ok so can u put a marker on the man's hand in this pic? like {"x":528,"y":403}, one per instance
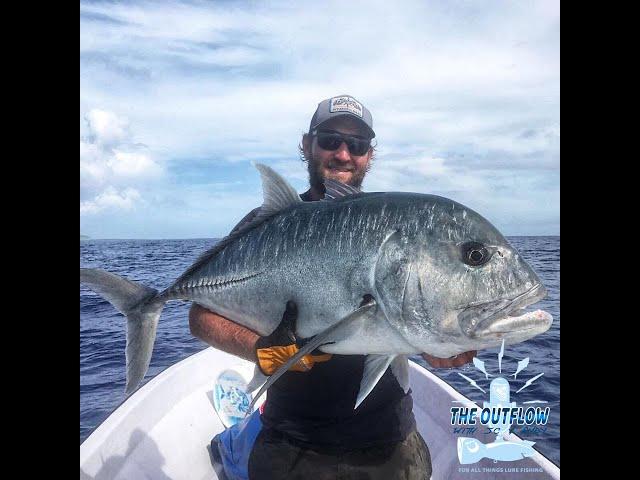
{"x":276,"y":349}
{"x":456,"y":361}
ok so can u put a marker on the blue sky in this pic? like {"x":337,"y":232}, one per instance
{"x":178,"y":98}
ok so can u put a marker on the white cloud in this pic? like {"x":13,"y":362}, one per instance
{"x":111,"y":166}
{"x":423,"y":174}
{"x":110,"y":198}
{"x":458,"y":70}
{"x":132,"y":164}
{"x":461,"y":93}
{"x":107,"y":129}
{"x":93,"y":167}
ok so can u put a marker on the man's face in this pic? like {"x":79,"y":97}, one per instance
{"x":340,"y":164}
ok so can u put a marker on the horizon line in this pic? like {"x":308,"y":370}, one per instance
{"x":218,"y":238}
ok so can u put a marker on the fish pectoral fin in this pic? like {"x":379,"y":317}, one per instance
{"x":374,"y":368}
{"x":330,"y":335}
{"x":257,"y":380}
{"x":400,"y":370}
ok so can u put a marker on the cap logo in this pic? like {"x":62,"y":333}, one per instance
{"x":346,"y":104}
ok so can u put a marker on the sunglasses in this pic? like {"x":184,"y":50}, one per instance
{"x":331,"y":140}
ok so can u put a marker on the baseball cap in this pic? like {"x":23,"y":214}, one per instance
{"x":342,"y":105}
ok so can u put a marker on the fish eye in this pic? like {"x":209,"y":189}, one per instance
{"x":475,"y":254}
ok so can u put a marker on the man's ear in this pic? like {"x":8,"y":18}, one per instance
{"x":306,"y":145}
{"x":371,"y":154}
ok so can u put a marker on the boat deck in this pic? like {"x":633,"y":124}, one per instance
{"x":163,"y":430}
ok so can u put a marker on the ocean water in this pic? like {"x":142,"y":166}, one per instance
{"x":156,"y":263}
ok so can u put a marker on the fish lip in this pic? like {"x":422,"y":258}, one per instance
{"x":539,"y":321}
{"x":472,"y":325}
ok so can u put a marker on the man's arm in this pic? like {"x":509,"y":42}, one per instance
{"x":222,"y":333}
{"x":230,"y":337}
{"x":269,"y":352}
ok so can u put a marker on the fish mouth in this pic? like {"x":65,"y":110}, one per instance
{"x":500,"y":318}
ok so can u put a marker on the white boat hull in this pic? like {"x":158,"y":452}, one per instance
{"x":164,"y":429}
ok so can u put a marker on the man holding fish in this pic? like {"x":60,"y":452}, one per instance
{"x":343,"y":290}
{"x":309,"y":425}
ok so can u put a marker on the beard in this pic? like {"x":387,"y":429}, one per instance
{"x":316,"y":175}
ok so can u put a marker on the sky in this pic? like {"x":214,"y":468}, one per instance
{"x":178,"y":100}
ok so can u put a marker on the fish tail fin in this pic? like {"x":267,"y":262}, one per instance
{"x":141,"y":306}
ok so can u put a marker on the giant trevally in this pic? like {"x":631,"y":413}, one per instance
{"x":384,"y":274}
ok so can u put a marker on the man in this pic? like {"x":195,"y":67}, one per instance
{"x":309,"y":425}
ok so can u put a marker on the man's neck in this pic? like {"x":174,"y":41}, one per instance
{"x":313,"y":194}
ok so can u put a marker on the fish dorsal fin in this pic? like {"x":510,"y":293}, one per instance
{"x":278,"y":194}
{"x":335,"y":190}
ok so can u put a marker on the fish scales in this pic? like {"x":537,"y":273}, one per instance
{"x":441,"y":278}
{"x":279,"y":263}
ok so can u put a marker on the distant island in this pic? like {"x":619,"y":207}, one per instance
{"x":84,"y":237}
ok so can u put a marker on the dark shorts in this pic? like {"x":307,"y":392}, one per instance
{"x":275,"y":457}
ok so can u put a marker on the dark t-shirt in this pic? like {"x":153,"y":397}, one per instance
{"x":315,"y":408}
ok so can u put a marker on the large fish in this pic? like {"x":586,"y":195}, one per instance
{"x":381,"y":274}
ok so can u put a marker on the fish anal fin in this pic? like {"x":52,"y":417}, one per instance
{"x":374,"y":368}
{"x":400,"y":370}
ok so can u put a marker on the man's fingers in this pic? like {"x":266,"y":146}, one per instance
{"x":462,"y":359}
{"x":322,"y":357}
{"x":459,"y":361}
{"x":452,"y":362}
{"x":435,"y":362}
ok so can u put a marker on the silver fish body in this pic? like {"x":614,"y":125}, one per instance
{"x":407,"y":251}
